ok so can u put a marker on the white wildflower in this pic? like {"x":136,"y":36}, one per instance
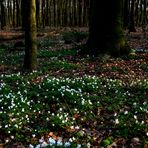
{"x":67,"y":144}
{"x":117,"y":121}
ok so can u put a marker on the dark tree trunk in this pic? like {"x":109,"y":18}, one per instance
{"x":132,"y":17}
{"x":2,"y":15}
{"x":14,"y":14}
{"x":30,"y":59}
{"x":23,"y":12}
{"x":126,"y":14}
{"x":38,"y":13}
{"x":43,"y":14}
{"x":18,"y":16}
{"x":137,"y":12}
{"x":106,"y":28}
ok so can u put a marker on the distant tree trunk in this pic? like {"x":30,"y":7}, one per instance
{"x":80,"y":12}
{"x":30,"y":59}
{"x":65,"y":14}
{"x":132,"y":17}
{"x":2,"y":15}
{"x":145,"y":13}
{"x":137,"y":12}
{"x":14,"y":14}
{"x":75,"y":12}
{"x":126,"y":14}
{"x":85,"y":13}
{"x":43,"y":14}
{"x":10,"y":12}
{"x":23,"y":13}
{"x":144,"y":23}
{"x":54,"y":13}
{"x":38,"y":13}
{"x":105,"y":28}
{"x":47,"y":12}
{"x":18,"y":14}
{"x":141,"y":12}
{"x":59,"y":12}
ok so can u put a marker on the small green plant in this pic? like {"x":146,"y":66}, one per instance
{"x":57,"y":65}
{"x":106,"y":141}
{"x":56,"y":54}
{"x":74,"y":36}
{"x":48,"y":42}
{"x":118,"y":69}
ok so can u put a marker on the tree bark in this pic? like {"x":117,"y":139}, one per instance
{"x":132,"y":17}
{"x":38,"y":13}
{"x":30,"y":59}
{"x":106,"y":28}
{"x":2,"y":15}
{"x":126,"y":14}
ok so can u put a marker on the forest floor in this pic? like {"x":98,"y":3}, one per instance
{"x":56,"y":39}
{"x":120,"y":78}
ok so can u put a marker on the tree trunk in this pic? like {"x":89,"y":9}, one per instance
{"x":126,"y":14}
{"x":132,"y":17}
{"x":38,"y":13}
{"x":23,"y":12}
{"x":2,"y":15}
{"x":137,"y":12}
{"x":14,"y":14}
{"x":18,"y":16}
{"x":30,"y":59}
{"x":43,"y":14}
{"x":105,"y":28}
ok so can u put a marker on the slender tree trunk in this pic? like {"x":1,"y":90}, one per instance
{"x":18,"y":14}
{"x":30,"y":59}
{"x":137,"y":13}
{"x":65,"y":15}
{"x":43,"y":14}
{"x":126,"y":14}
{"x":24,"y":10}
{"x":74,"y":12}
{"x":80,"y":12}
{"x":47,"y":13}
{"x":2,"y":14}
{"x":141,"y":12}
{"x":59,"y":11}
{"x":144,"y":12}
{"x":38,"y":13}
{"x":14,"y":14}
{"x":132,"y":17}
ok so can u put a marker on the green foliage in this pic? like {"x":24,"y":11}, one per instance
{"x":29,"y":105}
{"x":48,"y":42}
{"x":74,"y":36}
{"x":106,"y":142}
{"x":39,"y":103}
{"x":56,"y":54}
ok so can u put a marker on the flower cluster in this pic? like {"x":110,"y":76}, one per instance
{"x":37,"y":104}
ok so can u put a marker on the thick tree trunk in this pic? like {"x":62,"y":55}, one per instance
{"x":105,"y":28}
{"x":30,"y":59}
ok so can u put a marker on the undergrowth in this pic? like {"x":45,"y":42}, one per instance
{"x":73,"y":101}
